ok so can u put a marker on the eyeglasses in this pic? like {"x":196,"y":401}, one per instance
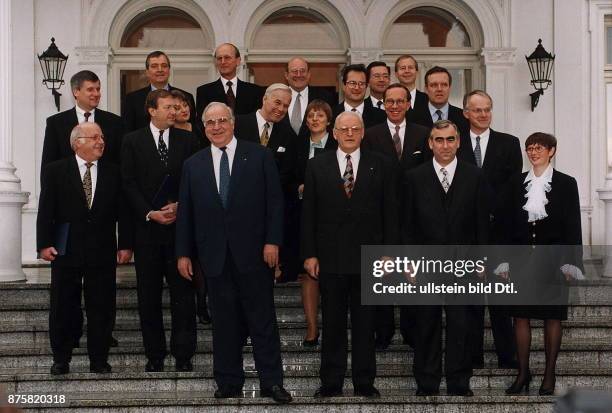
{"x":380,"y":76}
{"x":535,"y":149}
{"x":345,"y":130}
{"x":398,"y":102}
{"x":298,"y":71}
{"x":480,"y":111}
{"x":440,"y":139}
{"x":213,"y":122}
{"x":95,"y":137}
{"x":353,"y":84}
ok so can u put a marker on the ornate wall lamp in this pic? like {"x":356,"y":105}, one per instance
{"x":540,"y":64}
{"x":53,"y":63}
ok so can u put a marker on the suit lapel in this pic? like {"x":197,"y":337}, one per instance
{"x":74,"y":177}
{"x":332,"y":170}
{"x":456,"y":192}
{"x":364,"y":176}
{"x":208,"y":175}
{"x":240,"y":159}
{"x":101,"y":182}
{"x":492,"y":147}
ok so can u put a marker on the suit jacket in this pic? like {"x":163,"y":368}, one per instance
{"x":333,"y":226}
{"x":253,"y":216}
{"x":304,"y":151}
{"x":133,"y":108}
{"x":422,"y":116}
{"x":420,"y":101}
{"x":57,"y":135}
{"x":92,"y":239}
{"x":282,"y":144}
{"x":143,"y":173}
{"x":414,"y":151}
{"x":432,"y":217}
{"x":371,"y":116}
{"x":313,"y":93}
{"x":248,"y":96}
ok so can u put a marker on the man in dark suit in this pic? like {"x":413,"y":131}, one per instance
{"x":405,"y":144}
{"x":242,"y":97}
{"x":151,"y":164}
{"x":133,"y":110}
{"x":85,"y":86}
{"x":231,"y":209}
{"x":265,"y":126}
{"x":443,"y":204}
{"x":438,"y":82}
{"x":350,"y":199}
{"x":406,"y":72}
{"x":379,"y":76}
{"x":355,"y":81}
{"x":79,"y":207}
{"x":297,"y":74}
{"x":499,"y":156}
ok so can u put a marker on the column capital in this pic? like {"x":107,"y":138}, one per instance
{"x":363,"y":55}
{"x":499,"y":56}
{"x":92,"y":55}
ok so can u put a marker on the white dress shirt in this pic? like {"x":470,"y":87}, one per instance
{"x":484,"y":141}
{"x":216,"y":157}
{"x":322,"y":143}
{"x":234,"y":81}
{"x":260,"y":124}
{"x":432,"y":112}
{"x":81,"y":114}
{"x":165,"y":136}
{"x":349,"y":108}
{"x":450,"y":169}
{"x":355,"y":156}
{"x":402,"y":130}
{"x":412,"y":97}
{"x":375,"y":103}
{"x":303,"y":102}
{"x":166,"y":87}
{"x":93,"y":171}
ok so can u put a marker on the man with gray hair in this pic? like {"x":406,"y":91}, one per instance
{"x":265,"y":127}
{"x":231,"y":209}
{"x":79,"y":207}
{"x":350,"y":199}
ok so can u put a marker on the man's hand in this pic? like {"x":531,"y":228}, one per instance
{"x":311,"y":265}
{"x":185,"y":268}
{"x":48,"y":254}
{"x":270,"y":255}
{"x":124,"y":256}
{"x":162,"y":217}
{"x":171,"y":208}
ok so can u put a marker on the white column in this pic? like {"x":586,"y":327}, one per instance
{"x":498,"y":65}
{"x":11,"y":196}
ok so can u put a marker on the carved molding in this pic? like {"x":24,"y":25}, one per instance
{"x":499,"y":56}
{"x":364,"y":55}
{"x":93,"y":55}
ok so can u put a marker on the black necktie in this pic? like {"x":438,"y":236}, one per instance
{"x":224,"y":177}
{"x":87,"y":115}
{"x":379,"y":104}
{"x":162,"y":148}
{"x":230,"y":97}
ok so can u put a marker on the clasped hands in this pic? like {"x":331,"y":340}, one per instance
{"x":166,"y":215}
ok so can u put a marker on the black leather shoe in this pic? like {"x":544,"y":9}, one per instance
{"x":518,"y":386}
{"x":204,"y":318}
{"x":154,"y":366}
{"x":311,"y":343}
{"x":227,"y":392}
{"x":278,"y":394}
{"x":114,"y":342}
{"x":460,"y":392}
{"x":325,"y":391}
{"x":100,"y":368}
{"x":184,"y":366}
{"x":544,"y":391}
{"x":60,"y":368}
{"x":423,"y":392}
{"x":369,"y":392}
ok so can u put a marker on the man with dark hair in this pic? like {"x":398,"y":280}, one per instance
{"x":379,"y":75}
{"x":85,"y":87}
{"x":438,"y":81}
{"x":242,"y":97}
{"x":152,"y":161}
{"x":81,"y":197}
{"x":133,"y":109}
{"x":406,"y":72}
{"x":297,"y":75}
{"x":355,"y":82}
{"x":499,"y":156}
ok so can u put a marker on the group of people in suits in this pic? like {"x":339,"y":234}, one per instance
{"x":244,"y":184}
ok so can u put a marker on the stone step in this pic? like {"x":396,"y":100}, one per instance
{"x":392,"y":401}
{"x":304,"y":377}
{"x":574,"y":352}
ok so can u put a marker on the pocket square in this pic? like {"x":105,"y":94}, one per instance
{"x":416,"y":152}
{"x":281,"y":149}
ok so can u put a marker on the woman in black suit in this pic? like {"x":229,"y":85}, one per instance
{"x":183,"y":114}
{"x":318,"y":119}
{"x":543,"y":209}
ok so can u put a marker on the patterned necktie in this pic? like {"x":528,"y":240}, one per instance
{"x":87,"y":184}
{"x":397,"y":142}
{"x":445,"y":183}
{"x":224,"y":177}
{"x":162,"y":148}
{"x":87,"y":115}
{"x":478,"y":153}
{"x":264,"y":138}
{"x":229,"y":96}
{"x":296,"y":115}
{"x":348,"y":177}
{"x":439,"y":113}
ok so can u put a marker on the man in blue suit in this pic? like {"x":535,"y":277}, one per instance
{"x":231,"y":214}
